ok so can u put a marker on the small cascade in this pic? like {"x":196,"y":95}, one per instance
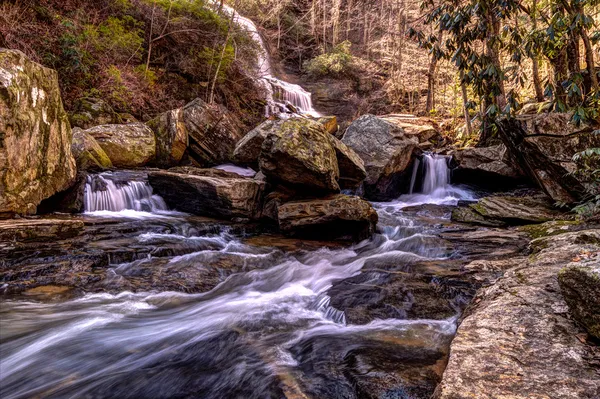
{"x":430,"y":183}
{"x":105,"y":194}
{"x":283,"y":98}
{"x":436,"y":173}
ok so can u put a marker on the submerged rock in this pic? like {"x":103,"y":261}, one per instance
{"x":209,"y":192}
{"x":580,"y":286}
{"x":89,"y":112}
{"x":386,"y":152}
{"x":300,"y":155}
{"x":335,"y":217}
{"x":35,"y":135}
{"x":127,"y":146}
{"x":515,"y":339}
{"x":88,"y":153}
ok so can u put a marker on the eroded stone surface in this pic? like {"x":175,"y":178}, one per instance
{"x":516,"y":339}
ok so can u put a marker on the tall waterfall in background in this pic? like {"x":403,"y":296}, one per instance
{"x":280,"y":94}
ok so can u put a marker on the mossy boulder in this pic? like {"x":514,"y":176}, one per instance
{"x":301,"y":155}
{"x":35,"y":135}
{"x":88,"y":153}
{"x":127,"y":146}
{"x":580,"y":286}
{"x":386,"y":152}
{"x":89,"y":112}
{"x":352,"y":167}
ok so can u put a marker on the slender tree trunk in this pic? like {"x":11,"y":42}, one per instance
{"x":431,"y":73}
{"x":589,"y":60}
{"x":535,"y":63}
{"x":211,"y":97}
{"x":150,"y":39}
{"x":465,"y":99}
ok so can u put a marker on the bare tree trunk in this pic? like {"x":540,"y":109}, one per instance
{"x":535,"y":63}
{"x":211,"y":96}
{"x":150,"y":39}
{"x":465,"y":99}
{"x":430,"y":105}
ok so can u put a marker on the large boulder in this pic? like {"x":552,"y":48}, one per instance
{"x":212,"y":133}
{"x":300,"y":155}
{"x":35,"y":135}
{"x":335,"y":217}
{"x":171,"y":137}
{"x":88,"y":153}
{"x":543,"y":146}
{"x":386,"y":152}
{"x":580,"y":286}
{"x":209,"y":192}
{"x":486,"y":167}
{"x":127,"y":146}
{"x":89,"y":112}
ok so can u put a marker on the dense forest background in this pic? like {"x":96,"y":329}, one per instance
{"x":466,"y":62}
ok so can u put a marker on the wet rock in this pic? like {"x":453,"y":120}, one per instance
{"x":131,"y":145}
{"x":35,"y":135}
{"x":487,"y":243}
{"x":386,"y":152}
{"x":89,"y":112}
{"x":212,"y":133}
{"x":70,"y":200}
{"x":580,"y":286}
{"x":351,"y":166}
{"x":518,"y":331}
{"x":38,"y":229}
{"x":209,"y":192}
{"x":88,"y":153}
{"x":485,"y":167}
{"x":300,"y":155}
{"x":543,"y":147}
{"x":171,"y":137}
{"x":247,"y":150}
{"x":506,"y":210}
{"x":335,"y":217}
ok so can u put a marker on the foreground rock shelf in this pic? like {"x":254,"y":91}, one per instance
{"x":516,"y":339}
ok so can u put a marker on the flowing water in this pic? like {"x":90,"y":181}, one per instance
{"x":265,"y":322}
{"x":280,"y":94}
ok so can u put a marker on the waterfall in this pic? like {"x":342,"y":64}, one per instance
{"x":283,"y":98}
{"x":104,"y":194}
{"x":434,"y":186}
{"x":436,"y":174}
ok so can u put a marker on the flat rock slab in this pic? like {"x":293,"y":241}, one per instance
{"x":38,"y":229}
{"x":517,"y":340}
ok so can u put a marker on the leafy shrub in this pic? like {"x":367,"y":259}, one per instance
{"x":335,"y":63}
{"x":117,"y":39}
